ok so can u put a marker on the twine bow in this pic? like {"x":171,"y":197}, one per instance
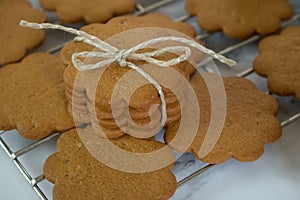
{"x":112,"y":54}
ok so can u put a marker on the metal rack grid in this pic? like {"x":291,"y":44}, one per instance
{"x":34,"y":181}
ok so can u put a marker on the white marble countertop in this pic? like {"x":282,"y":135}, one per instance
{"x":276,"y":175}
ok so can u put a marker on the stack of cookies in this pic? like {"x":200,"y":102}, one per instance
{"x":94,"y":96}
{"x":143,"y":105}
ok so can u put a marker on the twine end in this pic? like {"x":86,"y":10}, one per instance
{"x":27,"y":24}
{"x":231,"y":63}
{"x":23,"y":23}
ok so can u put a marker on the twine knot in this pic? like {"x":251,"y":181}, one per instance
{"x":121,"y":57}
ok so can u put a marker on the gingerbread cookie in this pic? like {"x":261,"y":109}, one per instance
{"x":71,"y":11}
{"x":78,"y":175}
{"x":93,"y":93}
{"x":14,"y":39}
{"x":32,"y":97}
{"x":240,"y":18}
{"x":250,"y":122}
{"x":279,"y":61}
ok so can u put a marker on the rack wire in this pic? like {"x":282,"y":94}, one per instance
{"x":140,"y":10}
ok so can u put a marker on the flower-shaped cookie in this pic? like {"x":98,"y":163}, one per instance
{"x":279,"y":61}
{"x":78,"y":175}
{"x":249,"y":122}
{"x":240,"y":18}
{"x":14,"y":39}
{"x":32,"y":98}
{"x":90,"y":11}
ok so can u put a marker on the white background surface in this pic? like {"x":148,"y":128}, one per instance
{"x":274,"y":176}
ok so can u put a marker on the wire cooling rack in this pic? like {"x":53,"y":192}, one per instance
{"x":22,"y":156}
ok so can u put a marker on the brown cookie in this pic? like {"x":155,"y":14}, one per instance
{"x":170,"y":118}
{"x":240,"y":18}
{"x":122,"y":118}
{"x":123,"y":122}
{"x":32,"y":97}
{"x":135,"y":114}
{"x":172,"y":108}
{"x":14,"y":39}
{"x":279,"y":61}
{"x":78,"y":175}
{"x":138,"y":127}
{"x":111,"y":123}
{"x":249,"y":123}
{"x":71,"y":11}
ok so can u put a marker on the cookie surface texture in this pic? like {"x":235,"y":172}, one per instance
{"x":240,"y":18}
{"x":14,"y":39}
{"x":250,"y":122}
{"x":32,"y":97}
{"x":279,"y":61}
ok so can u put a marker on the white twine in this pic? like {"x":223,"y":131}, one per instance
{"x":112,"y":54}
